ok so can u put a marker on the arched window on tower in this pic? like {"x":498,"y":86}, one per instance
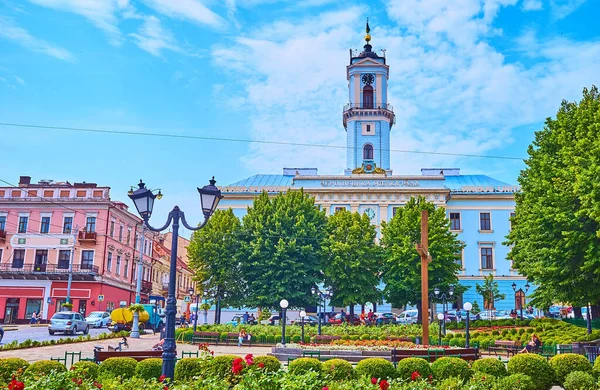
{"x":367,"y":96}
{"x":368,"y":152}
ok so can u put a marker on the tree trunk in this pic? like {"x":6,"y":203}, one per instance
{"x":351,"y":311}
{"x":374,"y":307}
{"x":595,"y":312}
{"x":577,"y":312}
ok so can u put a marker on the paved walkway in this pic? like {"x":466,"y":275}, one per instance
{"x":142,"y":344}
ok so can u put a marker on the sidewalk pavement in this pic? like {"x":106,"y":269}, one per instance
{"x":144,"y":343}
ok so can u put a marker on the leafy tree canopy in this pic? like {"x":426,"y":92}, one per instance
{"x":402,"y":267}
{"x":281,"y":250}
{"x":555,"y":236}
{"x":352,"y":260}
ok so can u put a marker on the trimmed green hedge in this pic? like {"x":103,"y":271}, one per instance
{"x":516,"y":382}
{"x":123,"y":367}
{"x":149,"y":368}
{"x":406,"y":367}
{"x":566,"y":363}
{"x":189,"y":368}
{"x":271,"y":363}
{"x":490,"y":366}
{"x":534,"y":366}
{"x":85,"y":369}
{"x":448,"y":367}
{"x":376,"y":368}
{"x":8,"y":366}
{"x":579,"y":380}
{"x":338,"y":369}
{"x":303,"y":365}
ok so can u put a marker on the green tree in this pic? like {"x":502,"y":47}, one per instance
{"x":282,"y":249}
{"x":555,"y":236}
{"x":352,"y":260}
{"x":402,"y":266}
{"x":214,"y":257}
{"x":489,"y":291}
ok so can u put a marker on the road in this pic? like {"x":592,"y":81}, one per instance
{"x":40,"y":333}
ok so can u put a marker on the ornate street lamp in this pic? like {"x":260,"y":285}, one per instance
{"x":440,"y":317}
{"x":444,"y":297}
{"x":467,"y":307}
{"x":284,"y":305}
{"x":143,"y":199}
{"x":302,"y":315}
{"x":322,"y":295}
{"x":520,"y":294}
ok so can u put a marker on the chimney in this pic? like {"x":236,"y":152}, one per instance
{"x":24,"y":181}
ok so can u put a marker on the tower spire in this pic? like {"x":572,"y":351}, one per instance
{"x":368,"y":30}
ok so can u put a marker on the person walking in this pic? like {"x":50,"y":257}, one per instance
{"x":33,"y":319}
{"x":343,"y":316}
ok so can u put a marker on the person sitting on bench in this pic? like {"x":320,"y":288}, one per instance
{"x":532,"y":345}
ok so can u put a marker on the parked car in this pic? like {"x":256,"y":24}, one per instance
{"x":488,"y":315}
{"x":275,"y":320}
{"x":239,"y":319}
{"x":69,"y":322}
{"x":308,"y":320}
{"x":337,"y":319}
{"x":408,"y":317}
{"x":98,"y":319}
{"x":385,"y":318}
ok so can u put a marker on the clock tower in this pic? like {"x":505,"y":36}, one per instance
{"x":368,"y":118}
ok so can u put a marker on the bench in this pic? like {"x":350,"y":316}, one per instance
{"x":189,"y":354}
{"x":206,"y":337}
{"x":432,"y":354}
{"x":312,"y":354}
{"x":233,"y":338}
{"x":100,"y":356}
{"x":69,"y":358}
{"x":326,"y":339}
{"x":510,"y":347}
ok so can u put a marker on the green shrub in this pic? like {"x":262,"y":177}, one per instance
{"x":85,"y":369}
{"x":579,"y":380}
{"x":566,"y":363}
{"x":450,"y":384}
{"x":149,"y":369}
{"x":188,"y":368}
{"x":495,"y":333}
{"x":43,"y":367}
{"x":481,"y":381}
{"x":296,"y":339}
{"x":220,"y":366}
{"x":8,"y":366}
{"x":123,"y":367}
{"x":515,"y":382}
{"x":375,"y":368}
{"x":270,"y":339}
{"x":447,"y":367}
{"x":338,"y":369}
{"x":534,"y":366}
{"x":406,"y":367}
{"x":223,"y":336}
{"x":271,"y":363}
{"x":597,"y":368}
{"x":354,"y":337}
{"x":365,"y":337}
{"x":490,"y":366}
{"x":303,"y":365}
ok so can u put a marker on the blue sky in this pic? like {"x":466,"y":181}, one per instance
{"x":467,"y":76}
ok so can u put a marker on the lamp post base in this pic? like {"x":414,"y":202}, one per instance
{"x":135,"y":328}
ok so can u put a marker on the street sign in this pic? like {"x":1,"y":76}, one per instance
{"x":100,"y":298}
{"x":186,"y":299}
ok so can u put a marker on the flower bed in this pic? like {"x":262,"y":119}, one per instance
{"x":68,"y":340}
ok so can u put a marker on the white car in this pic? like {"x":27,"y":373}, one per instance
{"x":408,"y":317}
{"x":98,"y":319}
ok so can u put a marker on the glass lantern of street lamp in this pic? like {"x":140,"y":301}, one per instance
{"x":284,"y":304}
{"x":451,"y":291}
{"x":191,"y":291}
{"x":527,"y":287}
{"x":436,"y":291}
{"x":302,"y":314}
{"x":313,"y":290}
{"x":468,"y":306}
{"x":440,"y":316}
{"x":514,"y":286}
{"x":143,"y":199}
{"x":210,"y":196}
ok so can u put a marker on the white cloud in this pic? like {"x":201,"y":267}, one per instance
{"x":153,"y":38}
{"x":532,"y":5}
{"x":22,"y":37}
{"x":192,"y":10}
{"x":560,"y":9}
{"x":20,"y":81}
{"x":101,"y":13}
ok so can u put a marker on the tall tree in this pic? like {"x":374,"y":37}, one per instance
{"x":402,"y":267}
{"x":489,"y":291}
{"x":352,"y":259}
{"x":214,"y":257}
{"x":282,"y":249}
{"x":555,"y":236}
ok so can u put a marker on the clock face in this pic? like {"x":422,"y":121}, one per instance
{"x":368,"y":78}
{"x":370,"y":213}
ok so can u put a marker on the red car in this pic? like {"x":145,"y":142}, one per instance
{"x":337,"y":320}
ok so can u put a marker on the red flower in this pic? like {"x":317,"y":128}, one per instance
{"x":166,"y":387}
{"x":374,"y":381}
{"x":414,"y":376}
{"x":261,"y":365}
{"x":15,"y":385}
{"x":384,"y":385}
{"x":162,"y":378}
{"x":98,"y":385}
{"x":249,"y":359}
{"x":325,"y":388}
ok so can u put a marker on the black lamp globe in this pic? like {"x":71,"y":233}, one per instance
{"x":451,"y":291}
{"x":527,"y":287}
{"x":436,"y":291}
{"x":514,"y":286}
{"x":143,"y":199}
{"x":191,"y":291}
{"x":210,"y":196}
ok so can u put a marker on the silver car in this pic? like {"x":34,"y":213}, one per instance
{"x":98,"y":319}
{"x":69,"y":322}
{"x":408,"y":317}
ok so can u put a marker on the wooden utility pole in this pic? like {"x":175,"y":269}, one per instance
{"x":423,"y":249}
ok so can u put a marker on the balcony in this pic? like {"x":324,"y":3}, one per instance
{"x":360,"y":111}
{"x":48,"y":272}
{"x":87,"y":237}
{"x":146,"y":287}
{"x":2,"y":236}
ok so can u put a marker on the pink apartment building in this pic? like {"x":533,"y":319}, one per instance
{"x":42,"y":224}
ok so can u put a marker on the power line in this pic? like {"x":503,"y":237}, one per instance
{"x":267,"y":142}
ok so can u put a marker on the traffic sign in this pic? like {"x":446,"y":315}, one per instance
{"x":186,"y":299}
{"x":100,"y":298}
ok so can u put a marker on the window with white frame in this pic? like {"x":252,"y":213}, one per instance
{"x":23,"y":220}
{"x":3,"y":223}
{"x":90,"y":224}
{"x":126,"y":269}
{"x":394,"y":211}
{"x":458,"y":258}
{"x":112,"y":229}
{"x":109,"y":262}
{"x":64,"y":257}
{"x":67,"y":224}
{"x":487,"y":258}
{"x":485,"y":221}
{"x":455,"y":221}
{"x":87,"y":259}
{"x":121,"y":233}
{"x":18,"y":258}
{"x":45,"y":224}
{"x":118,"y":266}
{"x":339,"y":208}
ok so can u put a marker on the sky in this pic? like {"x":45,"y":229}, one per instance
{"x":466,"y":77}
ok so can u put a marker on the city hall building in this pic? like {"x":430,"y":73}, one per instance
{"x":479,"y":207}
